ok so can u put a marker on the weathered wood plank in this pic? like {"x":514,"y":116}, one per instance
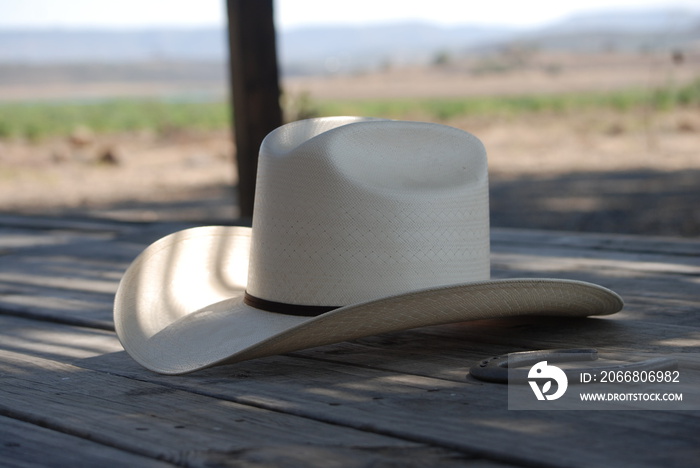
{"x":27,"y":445}
{"x":447,"y":351}
{"x":597,"y":241}
{"x":653,"y":290}
{"x":183,"y":427}
{"x":59,"y":286}
{"x":51,"y":223}
{"x":466,"y":416}
{"x":462,"y":415}
{"x":68,"y":276}
{"x":14,"y":240}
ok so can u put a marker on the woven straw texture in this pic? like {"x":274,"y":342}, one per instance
{"x":387,"y":219}
{"x":348,"y":210}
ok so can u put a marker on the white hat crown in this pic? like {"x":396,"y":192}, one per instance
{"x":349,"y":210}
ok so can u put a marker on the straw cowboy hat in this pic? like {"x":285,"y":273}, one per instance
{"x":361,"y":226}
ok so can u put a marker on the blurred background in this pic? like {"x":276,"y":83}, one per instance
{"x":589,"y":110}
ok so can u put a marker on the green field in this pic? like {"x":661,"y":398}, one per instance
{"x":446,"y":109}
{"x":36,"y":121}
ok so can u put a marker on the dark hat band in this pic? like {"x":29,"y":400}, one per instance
{"x":285,"y":308}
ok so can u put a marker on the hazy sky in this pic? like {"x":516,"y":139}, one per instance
{"x":294,"y":13}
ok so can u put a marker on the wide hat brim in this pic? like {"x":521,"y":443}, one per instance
{"x":179,"y":306}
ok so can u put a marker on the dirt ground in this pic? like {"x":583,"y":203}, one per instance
{"x":600,"y":171}
{"x":584,"y":173}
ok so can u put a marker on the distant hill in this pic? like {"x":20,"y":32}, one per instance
{"x":641,"y":20}
{"x":350,"y":48}
{"x":620,"y":30}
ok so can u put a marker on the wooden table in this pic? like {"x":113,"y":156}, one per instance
{"x":70,"y":396}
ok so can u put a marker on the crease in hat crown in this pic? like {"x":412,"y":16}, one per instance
{"x":350,"y":210}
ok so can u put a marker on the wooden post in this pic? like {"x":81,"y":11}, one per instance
{"x":255,"y":89}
